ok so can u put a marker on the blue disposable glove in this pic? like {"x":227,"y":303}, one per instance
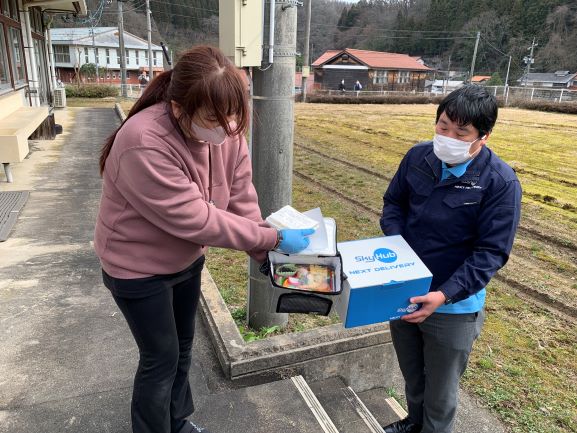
{"x":294,"y":240}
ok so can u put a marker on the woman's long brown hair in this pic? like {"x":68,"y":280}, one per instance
{"x":203,"y":78}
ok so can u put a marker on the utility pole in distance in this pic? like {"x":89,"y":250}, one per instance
{"x":272,"y":153}
{"x":122,"y":52}
{"x":529,"y":61}
{"x":149,"y":26}
{"x":306,"y":64}
{"x":474,"y":57}
{"x":95,"y":54}
{"x":507,"y":77}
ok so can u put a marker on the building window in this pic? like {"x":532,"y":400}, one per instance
{"x":380,"y":77}
{"x":136,"y":52}
{"x":404,"y":77}
{"x":114,"y":76}
{"x":127,"y":75}
{"x":17,"y":55}
{"x":107,"y":56}
{"x":61,"y":54}
{"x":4,"y":74}
{"x":96,"y":56}
{"x":154,"y":58}
{"x":86,"y":55}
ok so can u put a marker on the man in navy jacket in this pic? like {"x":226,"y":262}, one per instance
{"x":458,"y":206}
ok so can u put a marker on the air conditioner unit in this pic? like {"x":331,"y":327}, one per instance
{"x":60,"y":97}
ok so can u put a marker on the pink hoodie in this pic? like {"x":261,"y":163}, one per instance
{"x":155,"y":217}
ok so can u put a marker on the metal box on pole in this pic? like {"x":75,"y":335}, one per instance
{"x":240,"y":31}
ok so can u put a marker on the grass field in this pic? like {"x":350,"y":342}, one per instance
{"x":524,"y":365}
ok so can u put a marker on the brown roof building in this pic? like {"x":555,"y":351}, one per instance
{"x":375,"y":70}
{"x":480,"y":79}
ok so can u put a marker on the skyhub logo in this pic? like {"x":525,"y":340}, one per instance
{"x":383,"y":255}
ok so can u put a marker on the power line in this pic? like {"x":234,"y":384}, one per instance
{"x":494,"y":47}
{"x":182,"y":5}
{"x":127,"y":10}
{"x":169,"y":14}
{"x":388,"y":30}
{"x":425,"y":38}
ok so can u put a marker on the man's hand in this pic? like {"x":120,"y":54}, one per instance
{"x":431,"y":301}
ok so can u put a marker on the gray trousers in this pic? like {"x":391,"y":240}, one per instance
{"x":433,"y":356}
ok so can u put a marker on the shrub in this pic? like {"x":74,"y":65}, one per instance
{"x":556,"y":107}
{"x":91,"y":91}
{"x":374,"y":99}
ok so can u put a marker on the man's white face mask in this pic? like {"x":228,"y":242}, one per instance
{"x":453,"y":151}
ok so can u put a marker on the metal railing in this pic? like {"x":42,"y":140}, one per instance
{"x":506,"y":92}
{"x":534,"y":93}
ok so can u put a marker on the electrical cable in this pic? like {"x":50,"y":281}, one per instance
{"x":183,"y":5}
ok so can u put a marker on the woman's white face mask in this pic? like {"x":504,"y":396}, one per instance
{"x":453,"y":151}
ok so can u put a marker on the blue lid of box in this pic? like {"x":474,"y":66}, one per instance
{"x":381,"y":261}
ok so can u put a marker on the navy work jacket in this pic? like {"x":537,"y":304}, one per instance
{"x":461,"y":228}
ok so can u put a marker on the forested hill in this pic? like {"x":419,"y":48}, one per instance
{"x":435,"y":29}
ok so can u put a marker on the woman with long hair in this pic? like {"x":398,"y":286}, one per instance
{"x":177,"y":178}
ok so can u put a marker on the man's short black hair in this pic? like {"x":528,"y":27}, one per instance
{"x":470,"y":105}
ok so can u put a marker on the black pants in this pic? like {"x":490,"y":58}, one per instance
{"x":433,"y":356}
{"x":163,"y":326}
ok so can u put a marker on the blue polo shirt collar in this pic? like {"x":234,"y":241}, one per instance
{"x":457,"y":170}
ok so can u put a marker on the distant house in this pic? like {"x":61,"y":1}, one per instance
{"x":480,"y":79}
{"x":73,"y":47}
{"x":440,"y":87}
{"x":558,"y":80}
{"x":375,"y":70}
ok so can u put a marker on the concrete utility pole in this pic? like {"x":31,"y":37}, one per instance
{"x":95,"y":55}
{"x":474,"y":57}
{"x":448,"y":76}
{"x":529,"y":61}
{"x":272,"y":153}
{"x":306,"y":56}
{"x":149,"y":26}
{"x":507,"y":77}
{"x":123,"y":91}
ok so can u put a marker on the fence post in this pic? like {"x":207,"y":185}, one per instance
{"x":532,"y":93}
{"x":561,"y":95}
{"x":506,"y":95}
{"x":495,"y":94}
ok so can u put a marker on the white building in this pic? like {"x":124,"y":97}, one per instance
{"x":74,"y":47}
{"x":27,"y":79}
{"x":440,"y":87}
